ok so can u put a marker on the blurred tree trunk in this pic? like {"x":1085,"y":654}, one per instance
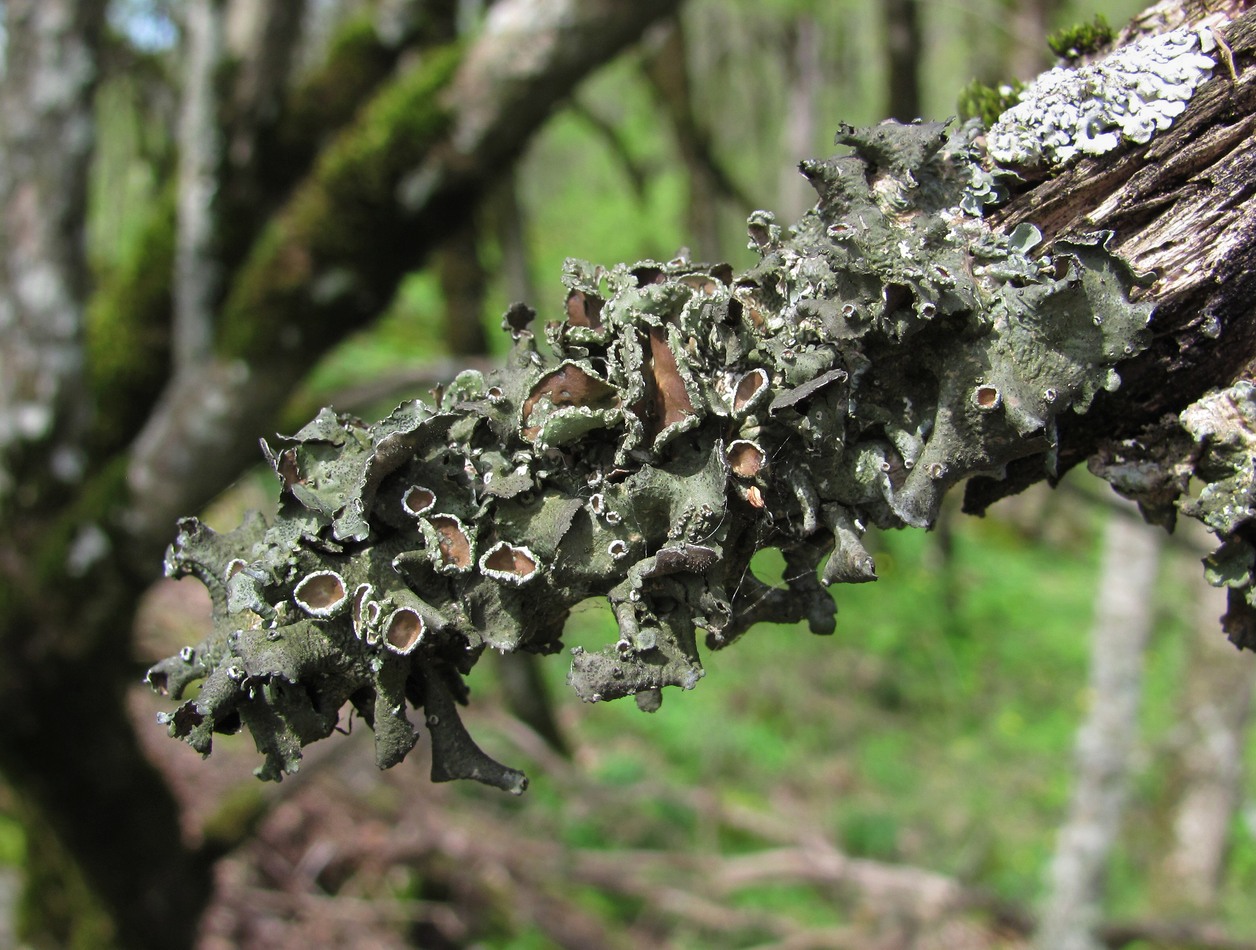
{"x":1029,"y":22}
{"x":904,"y":50}
{"x":805,"y":76}
{"x":463,"y":284}
{"x":90,"y":800}
{"x":1211,"y":736}
{"x":667,"y":69}
{"x":1073,"y":908}
{"x":668,"y":73}
{"x":510,"y":227}
{"x":46,"y":129}
{"x":321,"y":207}
{"x":197,"y":273}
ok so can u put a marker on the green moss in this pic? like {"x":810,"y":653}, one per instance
{"x":356,"y":62}
{"x":1074,"y":42}
{"x":327,"y":242}
{"x":980,"y":101}
{"x":128,"y":330}
{"x":57,"y":906}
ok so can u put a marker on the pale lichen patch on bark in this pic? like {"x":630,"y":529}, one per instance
{"x":1128,"y":96}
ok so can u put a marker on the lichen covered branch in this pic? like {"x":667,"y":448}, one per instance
{"x":676,"y":420}
{"x":1214,"y":441}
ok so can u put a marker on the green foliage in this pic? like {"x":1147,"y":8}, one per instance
{"x":966,"y":775}
{"x":12,"y":841}
{"x":1082,"y":39}
{"x":978,"y":100}
{"x":625,"y":225}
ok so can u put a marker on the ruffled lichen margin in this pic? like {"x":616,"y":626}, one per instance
{"x":1213,"y":444}
{"x":675,"y":420}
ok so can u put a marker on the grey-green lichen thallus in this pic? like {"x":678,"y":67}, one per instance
{"x":666,"y":423}
{"x":1127,"y":97}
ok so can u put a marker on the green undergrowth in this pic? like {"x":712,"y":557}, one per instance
{"x":936,"y":728}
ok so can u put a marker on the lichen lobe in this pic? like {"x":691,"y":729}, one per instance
{"x":681,"y":419}
{"x":1212,"y":445}
{"x":1127,"y":97}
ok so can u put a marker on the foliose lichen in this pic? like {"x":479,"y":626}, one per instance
{"x":1126,"y":97}
{"x":678,"y":419}
{"x":1212,"y":441}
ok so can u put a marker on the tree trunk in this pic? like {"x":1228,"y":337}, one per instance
{"x":1029,"y":22}
{"x":331,"y":260}
{"x":1181,"y":209}
{"x":46,"y":131}
{"x":1073,"y":908}
{"x":1209,"y":742}
{"x":90,"y":797}
{"x":667,"y":70}
{"x":805,"y":79}
{"x":904,"y":50}
{"x":197,"y":272}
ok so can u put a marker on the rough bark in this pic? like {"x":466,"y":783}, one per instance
{"x":1181,"y":209}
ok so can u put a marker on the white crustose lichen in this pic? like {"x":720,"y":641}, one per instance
{"x":1133,"y":94}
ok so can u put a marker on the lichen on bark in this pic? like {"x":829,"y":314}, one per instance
{"x":1129,"y":96}
{"x":677,"y":419}
{"x":1212,"y":441}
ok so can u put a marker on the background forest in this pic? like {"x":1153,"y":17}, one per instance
{"x":900,"y":784}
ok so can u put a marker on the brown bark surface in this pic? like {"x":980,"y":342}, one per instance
{"x":1182,"y":209}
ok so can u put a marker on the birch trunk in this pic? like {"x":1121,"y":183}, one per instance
{"x":1211,"y":737}
{"x":1073,"y":908}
